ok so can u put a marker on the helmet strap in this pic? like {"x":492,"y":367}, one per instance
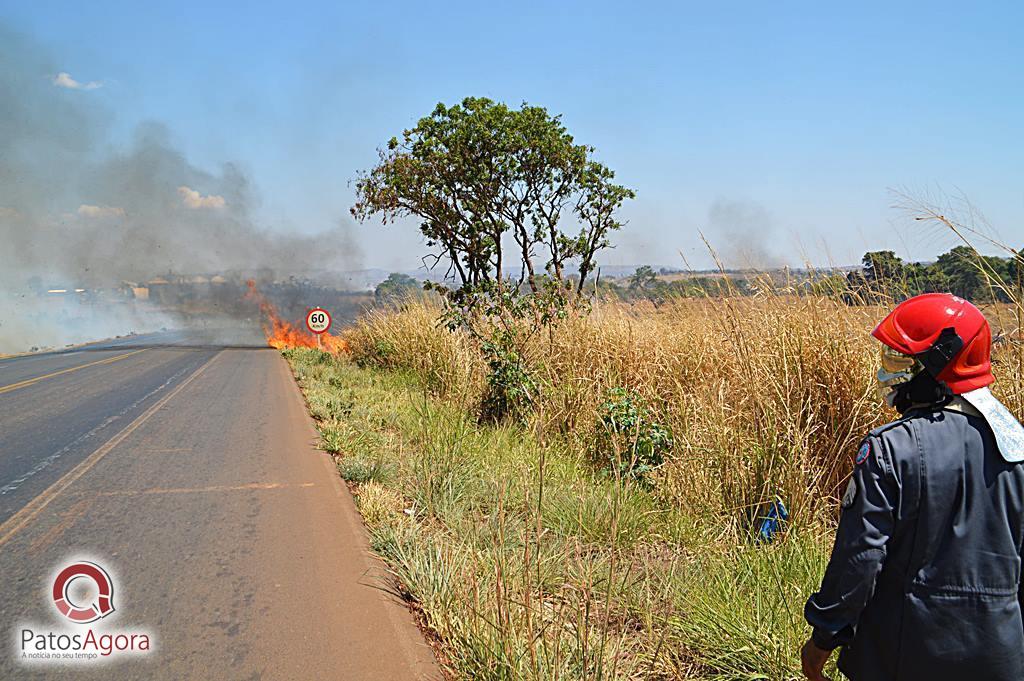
{"x":923,"y":390}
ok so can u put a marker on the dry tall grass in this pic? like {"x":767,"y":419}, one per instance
{"x":767,"y":397}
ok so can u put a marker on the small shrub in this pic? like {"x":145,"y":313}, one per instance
{"x":332,"y":440}
{"x":504,"y":321}
{"x":340,"y":404}
{"x":630,"y":444}
{"x":359,"y":470}
{"x":321,"y":357}
{"x":380,"y":352}
{"x":510,"y":387}
{"x":330,"y":406}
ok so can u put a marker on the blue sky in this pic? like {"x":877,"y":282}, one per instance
{"x":763,"y":124}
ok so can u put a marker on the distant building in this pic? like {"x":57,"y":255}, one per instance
{"x":159,"y":290}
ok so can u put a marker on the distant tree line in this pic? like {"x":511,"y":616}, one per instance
{"x":647,"y":284}
{"x":882,"y":277}
{"x":962,"y":271}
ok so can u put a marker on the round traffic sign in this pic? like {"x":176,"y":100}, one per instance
{"x":318,"y":320}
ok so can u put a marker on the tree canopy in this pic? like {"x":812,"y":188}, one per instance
{"x":477,"y":172}
{"x":961,"y":271}
{"x":395,"y":288}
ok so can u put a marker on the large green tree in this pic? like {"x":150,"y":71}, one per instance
{"x":395,"y":288}
{"x":478,"y":172}
{"x":961,"y":271}
{"x":643,"y":279}
{"x":882,"y":266}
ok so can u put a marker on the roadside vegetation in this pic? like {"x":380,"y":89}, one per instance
{"x":612,"y":531}
{"x":573,"y":485}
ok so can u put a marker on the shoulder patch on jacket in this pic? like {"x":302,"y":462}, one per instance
{"x":863,"y":453}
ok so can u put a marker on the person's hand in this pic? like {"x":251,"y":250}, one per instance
{"x":812,"y":660}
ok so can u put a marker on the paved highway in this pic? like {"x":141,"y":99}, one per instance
{"x":187,"y":469}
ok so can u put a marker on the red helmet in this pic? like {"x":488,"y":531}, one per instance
{"x":949,"y":335}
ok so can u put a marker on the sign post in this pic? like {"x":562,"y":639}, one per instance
{"x":318,"y":321}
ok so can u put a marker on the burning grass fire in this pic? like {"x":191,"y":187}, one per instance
{"x":281,"y":334}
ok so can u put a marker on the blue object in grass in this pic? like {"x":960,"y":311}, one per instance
{"x":772,"y":521}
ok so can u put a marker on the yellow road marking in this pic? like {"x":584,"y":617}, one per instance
{"x":193,"y":490}
{"x":30,"y":510}
{"x":30,"y":381}
{"x":68,"y":518}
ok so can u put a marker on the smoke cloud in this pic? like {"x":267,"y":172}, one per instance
{"x":744,"y":233}
{"x":77,"y":210}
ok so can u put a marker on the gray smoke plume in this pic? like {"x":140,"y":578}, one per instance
{"x":76,"y":210}
{"x":746,"y":234}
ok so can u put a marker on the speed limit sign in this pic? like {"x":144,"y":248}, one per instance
{"x":318,"y":320}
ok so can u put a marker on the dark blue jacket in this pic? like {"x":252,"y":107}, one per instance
{"x":924,"y":579}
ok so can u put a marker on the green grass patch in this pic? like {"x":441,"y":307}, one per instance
{"x":530,"y":563}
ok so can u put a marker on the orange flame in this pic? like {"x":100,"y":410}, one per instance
{"x":281,"y":334}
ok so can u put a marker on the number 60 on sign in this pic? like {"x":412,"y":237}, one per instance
{"x":318,"y":320}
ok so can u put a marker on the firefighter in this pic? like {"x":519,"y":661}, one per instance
{"x":924,"y":582}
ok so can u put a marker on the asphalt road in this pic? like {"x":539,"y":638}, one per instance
{"x":186,"y":467}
